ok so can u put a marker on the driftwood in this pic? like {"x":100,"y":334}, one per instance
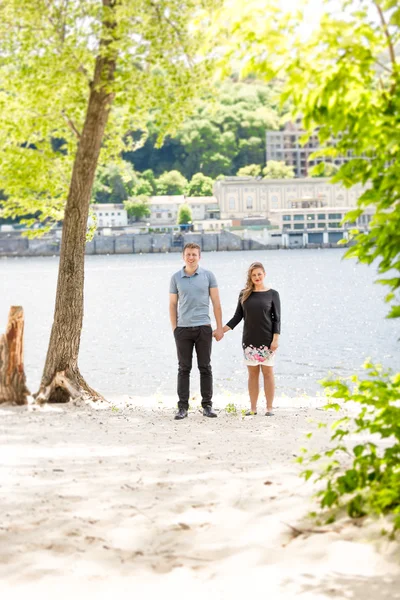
{"x":12,"y":375}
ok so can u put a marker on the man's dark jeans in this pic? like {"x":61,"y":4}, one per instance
{"x":186,"y":339}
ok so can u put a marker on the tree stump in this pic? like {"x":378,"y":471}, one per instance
{"x":12,"y":375}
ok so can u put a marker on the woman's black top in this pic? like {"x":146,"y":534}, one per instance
{"x":262,"y":318}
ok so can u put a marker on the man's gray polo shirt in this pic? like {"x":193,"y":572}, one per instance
{"x":193,"y":296}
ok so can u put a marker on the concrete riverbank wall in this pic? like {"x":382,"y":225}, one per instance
{"x":143,"y":243}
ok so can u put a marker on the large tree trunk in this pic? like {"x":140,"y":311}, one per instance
{"x":12,"y":376}
{"x":61,"y":379}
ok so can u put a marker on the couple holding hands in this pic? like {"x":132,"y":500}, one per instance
{"x":191,"y":289}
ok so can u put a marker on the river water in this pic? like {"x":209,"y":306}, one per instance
{"x":333,"y":317}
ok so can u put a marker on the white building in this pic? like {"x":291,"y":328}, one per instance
{"x":244,"y":197}
{"x":165,"y":209}
{"x":109,"y":215}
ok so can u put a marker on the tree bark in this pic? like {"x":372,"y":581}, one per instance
{"x":61,"y":379}
{"x":12,"y":376}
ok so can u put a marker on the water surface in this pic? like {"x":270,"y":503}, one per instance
{"x":333,"y":317}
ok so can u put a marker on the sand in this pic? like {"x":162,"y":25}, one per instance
{"x":119,"y":500}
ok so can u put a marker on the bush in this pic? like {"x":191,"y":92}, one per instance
{"x":363,"y":478}
{"x":249,"y":171}
{"x":276,"y":169}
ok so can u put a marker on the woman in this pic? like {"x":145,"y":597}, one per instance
{"x":260,"y":308}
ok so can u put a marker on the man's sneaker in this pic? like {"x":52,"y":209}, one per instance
{"x":181,"y":414}
{"x":208,"y":412}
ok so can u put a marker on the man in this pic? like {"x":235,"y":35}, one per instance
{"x":192,"y":287}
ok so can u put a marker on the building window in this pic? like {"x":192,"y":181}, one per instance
{"x":286,"y":226}
{"x":169,"y":215}
{"x":106,"y":214}
{"x":298,"y":226}
{"x":158,"y":215}
{"x":249,"y":202}
{"x":321,"y":224}
{"x":274,"y":201}
{"x":334,"y":225}
{"x":310,"y":217}
{"x":286,"y":217}
{"x":310,"y":225}
{"x":298,"y":217}
{"x":119,"y":214}
{"x":100,"y":214}
{"x":321,"y":217}
{"x":335,"y":215}
{"x":232,"y":203}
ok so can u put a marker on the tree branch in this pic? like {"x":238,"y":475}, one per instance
{"x":71,"y":125}
{"x":387,"y":34}
{"x":178,"y":34}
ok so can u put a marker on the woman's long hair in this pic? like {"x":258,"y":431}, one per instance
{"x":249,"y":284}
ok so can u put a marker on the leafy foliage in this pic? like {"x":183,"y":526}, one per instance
{"x":184,"y":215}
{"x":249,"y":171}
{"x":360,"y":474}
{"x":171,"y":184}
{"x":225,"y":132}
{"x":276,"y":169}
{"x":200,"y":185}
{"x":324,"y":169}
{"x":116,"y":182}
{"x":137,"y":208}
{"x":48,"y":52}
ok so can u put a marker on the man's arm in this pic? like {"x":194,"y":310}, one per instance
{"x":214,"y":295}
{"x":173,"y":310}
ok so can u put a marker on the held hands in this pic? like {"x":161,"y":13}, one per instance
{"x":218,"y":333}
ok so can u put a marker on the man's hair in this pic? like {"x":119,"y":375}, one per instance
{"x":191,"y":246}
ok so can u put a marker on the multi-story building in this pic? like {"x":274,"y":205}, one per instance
{"x":165,"y":209}
{"x":245,"y":197}
{"x":109,"y":215}
{"x":286,"y":146}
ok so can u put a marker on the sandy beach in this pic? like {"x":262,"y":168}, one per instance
{"x":118,"y":499}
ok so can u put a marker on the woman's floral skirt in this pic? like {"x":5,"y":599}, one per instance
{"x":258,"y":356}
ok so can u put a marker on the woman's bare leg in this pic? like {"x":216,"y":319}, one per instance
{"x":254,"y":386}
{"x":269,"y":386}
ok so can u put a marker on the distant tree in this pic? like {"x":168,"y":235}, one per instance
{"x":149,"y":177}
{"x":276,"y":169}
{"x":224,"y":132}
{"x":171,"y":183}
{"x":324,"y":169}
{"x":200,"y":185}
{"x":249,"y":171}
{"x":116,"y":182}
{"x":184,"y":214}
{"x":142,"y":188}
{"x":137,"y":208}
